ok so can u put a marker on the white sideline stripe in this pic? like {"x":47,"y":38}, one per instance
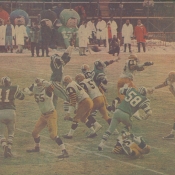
{"x":98,"y":154}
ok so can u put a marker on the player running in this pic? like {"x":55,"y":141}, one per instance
{"x":43,"y":93}
{"x":8,"y":94}
{"x":133,"y":101}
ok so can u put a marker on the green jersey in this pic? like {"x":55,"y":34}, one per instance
{"x":133,"y":102}
{"x":8,"y":96}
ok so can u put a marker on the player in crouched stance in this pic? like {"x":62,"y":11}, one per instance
{"x":133,"y":101}
{"x":131,"y":145}
{"x":84,"y":103}
{"x":8,"y":94}
{"x":43,"y":93}
{"x":170,"y":81}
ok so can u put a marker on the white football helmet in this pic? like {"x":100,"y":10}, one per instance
{"x":5,"y":81}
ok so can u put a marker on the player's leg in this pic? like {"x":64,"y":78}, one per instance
{"x":11,"y":130}
{"x":3,"y":140}
{"x":100,"y":105}
{"x":52,"y":127}
{"x":171,"y":135}
{"x":40,"y":125}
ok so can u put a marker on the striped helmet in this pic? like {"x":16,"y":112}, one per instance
{"x":142,"y":90}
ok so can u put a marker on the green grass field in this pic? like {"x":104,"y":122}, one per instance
{"x":84,"y":156}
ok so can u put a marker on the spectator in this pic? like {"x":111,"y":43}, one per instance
{"x":140,"y":34}
{"x":113,"y":26}
{"x":46,"y":34}
{"x":20,"y":35}
{"x":112,"y":8}
{"x":9,"y":36}
{"x":35,"y":38}
{"x":2,"y":36}
{"x":83,"y":33}
{"x":101,"y":31}
{"x":148,"y":5}
{"x":109,"y":33}
{"x":3,"y":14}
{"x":92,"y":30}
{"x":114,"y":46}
{"x":58,"y":9}
{"x":127,"y":34}
{"x":81,"y":11}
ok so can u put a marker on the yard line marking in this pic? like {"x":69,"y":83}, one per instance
{"x":98,"y":154}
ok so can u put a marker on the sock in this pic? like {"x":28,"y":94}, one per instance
{"x":62,"y":146}
{"x":106,"y":135}
{"x":71,"y":132}
{"x":37,"y":141}
{"x":109,"y":121}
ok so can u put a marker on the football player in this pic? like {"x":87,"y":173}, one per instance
{"x":43,"y":93}
{"x":57,"y":66}
{"x":81,"y":104}
{"x":134,"y":100}
{"x":170,"y":81}
{"x":8,"y":94}
{"x":132,"y":65}
{"x":85,"y":69}
{"x":131,"y":145}
{"x":98,"y":100}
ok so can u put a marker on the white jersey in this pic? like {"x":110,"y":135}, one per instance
{"x":43,"y":98}
{"x":129,"y":72}
{"x":91,"y":88}
{"x":74,"y":88}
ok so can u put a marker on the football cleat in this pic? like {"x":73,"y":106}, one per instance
{"x":92,"y":135}
{"x":63,"y":155}
{"x":7,"y":152}
{"x":169,"y":137}
{"x":100,"y":148}
{"x":66,"y":136}
{"x":36,"y":149}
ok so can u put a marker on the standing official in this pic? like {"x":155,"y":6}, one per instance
{"x":140,"y":34}
{"x":127,"y":34}
{"x":101,"y":31}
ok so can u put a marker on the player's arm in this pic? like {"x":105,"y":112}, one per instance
{"x":164,"y":84}
{"x":49,"y":90}
{"x":107,"y":63}
{"x":19,"y":94}
{"x":29,"y":90}
{"x":72,"y":97}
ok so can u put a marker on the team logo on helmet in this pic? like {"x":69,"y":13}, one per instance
{"x":5,"y":81}
{"x":142,"y":90}
{"x":79,"y":78}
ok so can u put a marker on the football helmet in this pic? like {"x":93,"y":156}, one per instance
{"x":171,"y":76}
{"x":85,"y":68}
{"x":66,"y":80}
{"x":79,"y":78}
{"x":133,"y":57}
{"x":124,"y":89}
{"x":142,"y":90}
{"x":5,"y":81}
{"x":99,"y":63}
